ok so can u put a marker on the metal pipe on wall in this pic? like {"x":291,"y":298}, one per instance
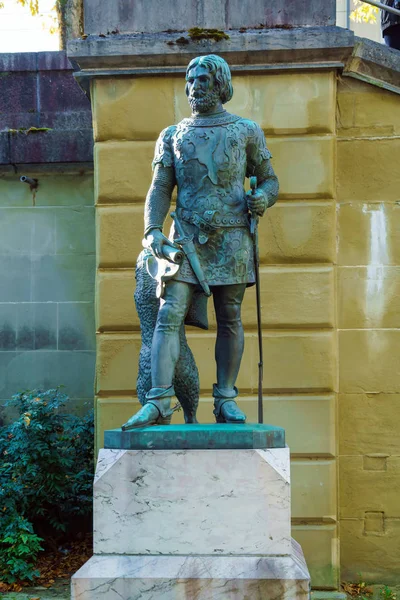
{"x":390,"y":9}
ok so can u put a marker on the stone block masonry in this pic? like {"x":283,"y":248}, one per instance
{"x":47,"y":266}
{"x":297,"y":250}
{"x":368,"y":321}
{"x":45,"y":116}
{"x":47,"y":237}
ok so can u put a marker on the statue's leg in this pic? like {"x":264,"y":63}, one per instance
{"x":186,"y":381}
{"x":228,"y":351}
{"x":147,"y":305}
{"x":164,"y":355}
{"x":165,"y":347}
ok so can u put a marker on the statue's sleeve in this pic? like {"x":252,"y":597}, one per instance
{"x":158,"y":199}
{"x":257,"y":151}
{"x":259,"y":164}
{"x":163,"y":154}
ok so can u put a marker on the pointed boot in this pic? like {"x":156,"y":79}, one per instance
{"x":225,"y":408}
{"x":156,"y":411}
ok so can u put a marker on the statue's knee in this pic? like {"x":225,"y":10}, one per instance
{"x":170,"y":317}
{"x":229,"y":314}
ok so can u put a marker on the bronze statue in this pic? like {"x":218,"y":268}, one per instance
{"x":207,"y":156}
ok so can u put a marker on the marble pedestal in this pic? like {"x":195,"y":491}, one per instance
{"x":192,"y":524}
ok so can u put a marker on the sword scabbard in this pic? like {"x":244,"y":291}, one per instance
{"x":189,"y":249}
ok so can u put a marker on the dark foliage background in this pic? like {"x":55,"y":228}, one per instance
{"x":46,"y":478}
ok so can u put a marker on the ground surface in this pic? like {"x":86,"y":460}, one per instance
{"x":372,"y":592}
{"x":61,"y":591}
{"x":56,"y":568}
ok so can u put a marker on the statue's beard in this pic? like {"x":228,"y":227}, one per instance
{"x":205,"y":102}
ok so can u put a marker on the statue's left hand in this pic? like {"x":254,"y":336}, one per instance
{"x":155,"y":240}
{"x":256,"y":202}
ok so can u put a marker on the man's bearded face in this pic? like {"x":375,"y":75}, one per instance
{"x":203,"y":95}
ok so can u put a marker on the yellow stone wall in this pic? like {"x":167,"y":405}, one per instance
{"x":368,"y":301}
{"x":298,"y":275}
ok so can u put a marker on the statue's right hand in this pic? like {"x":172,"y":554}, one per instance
{"x":155,"y":241}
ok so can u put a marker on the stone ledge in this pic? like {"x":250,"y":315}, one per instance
{"x":376,"y":64}
{"x":255,"y":48}
{"x":62,"y":168}
{"x":196,"y":437}
{"x":116,"y":577}
{"x":34,"y":61}
{"x":262,"y":50}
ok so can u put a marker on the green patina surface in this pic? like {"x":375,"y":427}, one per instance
{"x":224,"y":436}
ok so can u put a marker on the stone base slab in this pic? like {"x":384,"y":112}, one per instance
{"x":216,"y":436}
{"x":116,"y":577}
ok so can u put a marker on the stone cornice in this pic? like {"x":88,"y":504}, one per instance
{"x":257,"y":50}
{"x":375,"y":64}
{"x":250,"y":48}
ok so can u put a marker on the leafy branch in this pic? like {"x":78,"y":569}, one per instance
{"x":34,"y":5}
{"x":363,"y":13}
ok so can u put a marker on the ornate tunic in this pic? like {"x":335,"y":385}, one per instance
{"x":211,"y":158}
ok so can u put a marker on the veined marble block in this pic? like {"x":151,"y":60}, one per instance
{"x":193,"y":525}
{"x":192,"y":502}
{"x":193,"y":578}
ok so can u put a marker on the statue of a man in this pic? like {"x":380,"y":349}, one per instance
{"x":207,"y":156}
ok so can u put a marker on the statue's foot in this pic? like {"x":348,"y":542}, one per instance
{"x":227,"y":411}
{"x":154,"y":412}
{"x":225,"y":408}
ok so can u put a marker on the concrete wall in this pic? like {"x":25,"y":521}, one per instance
{"x":47,"y":284}
{"x":298,"y":252}
{"x":47,"y":237}
{"x":368,"y":283}
{"x":127,"y":16}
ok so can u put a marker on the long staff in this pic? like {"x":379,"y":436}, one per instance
{"x":254,"y":235}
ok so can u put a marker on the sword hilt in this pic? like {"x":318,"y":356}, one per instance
{"x":183,"y":237}
{"x":178,"y":226}
{"x":254,"y":216}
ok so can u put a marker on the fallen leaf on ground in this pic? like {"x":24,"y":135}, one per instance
{"x":356,"y":589}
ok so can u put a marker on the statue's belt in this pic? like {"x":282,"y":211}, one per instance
{"x":211,"y":220}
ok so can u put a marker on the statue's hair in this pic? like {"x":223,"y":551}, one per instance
{"x":218,"y":67}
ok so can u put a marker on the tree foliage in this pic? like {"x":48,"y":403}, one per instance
{"x":65,"y":19}
{"x":34,"y":5}
{"x":363,"y":13}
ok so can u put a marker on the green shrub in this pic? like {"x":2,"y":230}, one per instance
{"x":46,"y":477}
{"x":19,"y":547}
